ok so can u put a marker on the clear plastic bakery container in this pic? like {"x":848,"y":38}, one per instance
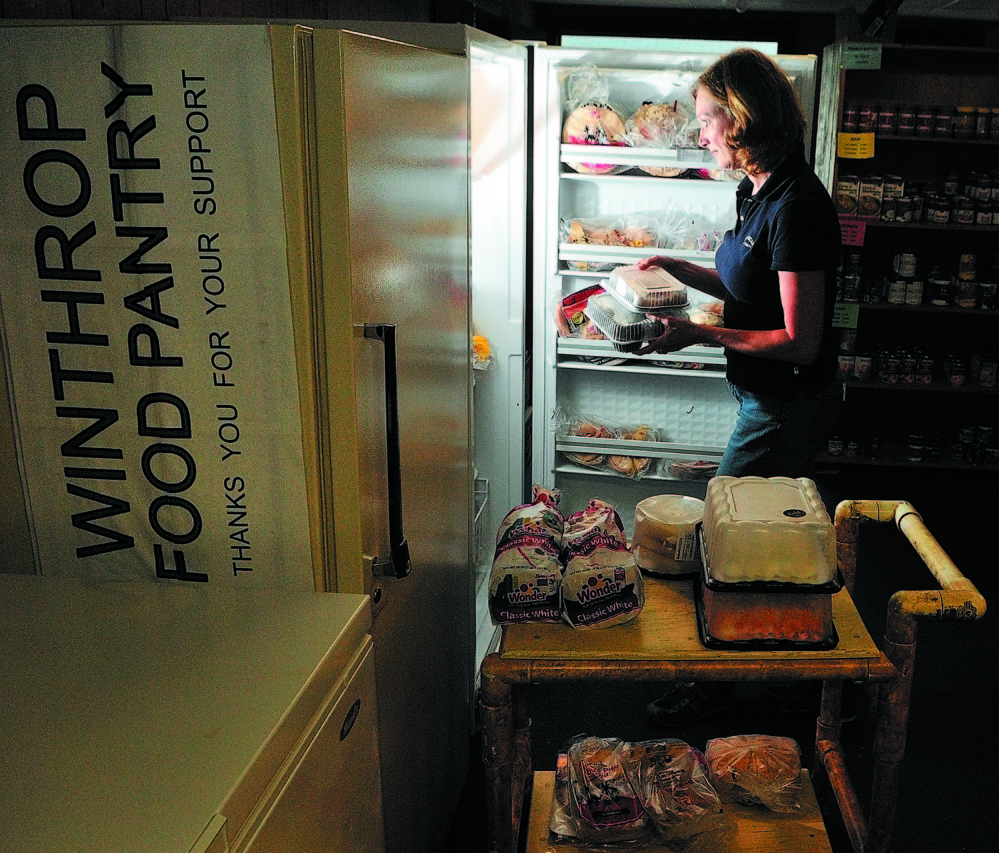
{"x":627,"y":330}
{"x":646,"y":290}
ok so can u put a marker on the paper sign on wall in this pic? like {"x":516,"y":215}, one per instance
{"x":145,"y":305}
{"x":862,"y":56}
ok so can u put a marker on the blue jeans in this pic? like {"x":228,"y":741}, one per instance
{"x":778,"y":438}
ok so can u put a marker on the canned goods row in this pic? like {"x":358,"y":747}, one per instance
{"x":973,"y":201}
{"x":910,"y":365}
{"x":936,"y":290}
{"x":891,"y":119}
{"x":908,"y":285}
{"x":975,"y":444}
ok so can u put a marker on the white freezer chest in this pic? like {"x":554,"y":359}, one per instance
{"x":169,"y":719}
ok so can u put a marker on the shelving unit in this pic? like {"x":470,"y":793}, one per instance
{"x":681,"y":396}
{"x":942,"y":78}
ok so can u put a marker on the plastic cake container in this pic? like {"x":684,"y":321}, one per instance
{"x":767,"y":529}
{"x":765,"y":615}
{"x":646,"y":290}
{"x":626,"y":329}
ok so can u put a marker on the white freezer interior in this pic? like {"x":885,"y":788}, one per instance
{"x":692,"y":409}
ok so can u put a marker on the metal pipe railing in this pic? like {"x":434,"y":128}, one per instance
{"x":957,"y":599}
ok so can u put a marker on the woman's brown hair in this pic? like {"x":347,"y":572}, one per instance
{"x":767,"y":121}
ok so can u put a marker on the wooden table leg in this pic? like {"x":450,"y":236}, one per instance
{"x":498,"y":758}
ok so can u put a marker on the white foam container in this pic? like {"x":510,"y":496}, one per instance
{"x":665,"y":540}
{"x":768,"y":529}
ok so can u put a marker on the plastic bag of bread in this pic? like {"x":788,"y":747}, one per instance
{"x":571,"y":423}
{"x":756,"y":770}
{"x":601,"y":806}
{"x":525,"y":579}
{"x":634,"y":467}
{"x":591,"y":118}
{"x":633,"y":230}
{"x":602,"y":584}
{"x":670,"y":779}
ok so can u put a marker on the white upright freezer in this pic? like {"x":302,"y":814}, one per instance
{"x":682,"y":397}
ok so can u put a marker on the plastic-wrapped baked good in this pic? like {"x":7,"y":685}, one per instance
{"x":601,"y":800}
{"x":660,"y":125}
{"x":665,"y":536}
{"x":756,"y":770}
{"x":627,"y":330}
{"x":646,"y":290}
{"x":594,"y":124}
{"x":602,"y":584}
{"x":525,"y":579}
{"x":587,"y":428}
{"x":633,"y":466}
{"x":670,"y":779}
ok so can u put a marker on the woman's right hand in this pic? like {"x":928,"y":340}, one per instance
{"x":654,"y":261}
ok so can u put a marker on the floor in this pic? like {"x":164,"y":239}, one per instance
{"x":949,"y":779}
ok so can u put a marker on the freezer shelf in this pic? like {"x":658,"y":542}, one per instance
{"x":576,"y":252}
{"x":682,"y":158}
{"x":687,"y":410}
{"x":760,"y":830}
{"x":589,"y":348}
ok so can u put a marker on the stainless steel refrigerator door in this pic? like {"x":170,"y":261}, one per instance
{"x":391,"y":131}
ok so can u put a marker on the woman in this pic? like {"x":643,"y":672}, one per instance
{"x":776,"y":274}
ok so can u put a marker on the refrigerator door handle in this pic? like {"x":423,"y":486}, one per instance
{"x":398,"y":563}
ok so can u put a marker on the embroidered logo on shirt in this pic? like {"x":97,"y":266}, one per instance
{"x":748,"y":242}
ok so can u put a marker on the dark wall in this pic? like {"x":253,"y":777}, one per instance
{"x":793,"y":33}
{"x":164,"y":10}
{"x":521,"y":19}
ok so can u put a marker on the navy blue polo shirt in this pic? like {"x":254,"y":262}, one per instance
{"x":790,"y":225}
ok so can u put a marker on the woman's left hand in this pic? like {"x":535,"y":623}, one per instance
{"x":679,"y":334}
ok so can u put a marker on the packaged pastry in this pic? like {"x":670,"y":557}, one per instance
{"x":594,"y":124}
{"x":670,"y":779}
{"x":628,"y":465}
{"x":665,"y":535}
{"x":589,"y":428}
{"x":627,"y":330}
{"x":601,"y":800}
{"x":756,"y":770}
{"x":591,"y":119}
{"x":658,"y":124}
{"x":646,"y":290}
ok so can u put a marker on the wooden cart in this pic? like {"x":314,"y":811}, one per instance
{"x":662,"y":644}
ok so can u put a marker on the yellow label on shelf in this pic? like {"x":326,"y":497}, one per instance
{"x":855,"y":146}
